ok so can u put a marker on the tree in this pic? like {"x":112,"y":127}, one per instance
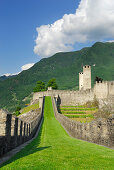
{"x":52,"y":83}
{"x":18,"y":108}
{"x":17,"y":111}
{"x":40,"y":86}
{"x":98,"y":79}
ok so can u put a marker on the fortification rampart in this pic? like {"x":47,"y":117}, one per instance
{"x":14,"y":131}
{"x":111,"y":87}
{"x":67,"y":97}
{"x":102,"y":91}
{"x":100,"y":131}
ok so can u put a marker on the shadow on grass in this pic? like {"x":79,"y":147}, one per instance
{"x":31,"y":148}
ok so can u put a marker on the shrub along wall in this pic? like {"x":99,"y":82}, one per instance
{"x":100,"y":131}
{"x":14,"y":131}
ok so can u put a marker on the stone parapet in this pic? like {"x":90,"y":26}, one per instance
{"x":14,"y":131}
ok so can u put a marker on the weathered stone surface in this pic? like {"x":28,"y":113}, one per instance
{"x":16,"y":130}
{"x":30,"y":116}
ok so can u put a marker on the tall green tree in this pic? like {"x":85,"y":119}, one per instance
{"x":52,"y":83}
{"x":40,"y":86}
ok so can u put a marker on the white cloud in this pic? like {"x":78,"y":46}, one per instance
{"x":9,"y":74}
{"x":24,"y":67}
{"x":93,"y":21}
{"x":110,"y":41}
{"x":27,"y":66}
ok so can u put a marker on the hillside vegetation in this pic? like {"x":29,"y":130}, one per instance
{"x":62,"y":66}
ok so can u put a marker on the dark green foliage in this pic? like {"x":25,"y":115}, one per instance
{"x":52,"y":83}
{"x":62,"y":66}
{"x":40,"y":86}
{"x":18,"y":108}
{"x":16,"y":113}
{"x":6,"y":77}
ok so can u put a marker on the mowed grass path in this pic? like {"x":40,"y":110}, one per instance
{"x":55,"y":149}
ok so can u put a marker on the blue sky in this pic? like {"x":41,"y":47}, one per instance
{"x":20,"y":18}
{"x":18,"y":22}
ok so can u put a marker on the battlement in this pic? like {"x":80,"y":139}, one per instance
{"x":103,"y":89}
{"x":87,"y":66}
{"x":101,"y":82}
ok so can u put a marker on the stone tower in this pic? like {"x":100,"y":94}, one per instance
{"x":80,"y":80}
{"x":85,"y":78}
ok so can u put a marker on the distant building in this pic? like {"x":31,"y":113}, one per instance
{"x":85,"y":78}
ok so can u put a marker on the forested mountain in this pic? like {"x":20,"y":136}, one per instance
{"x":4,"y":77}
{"x":62,"y":66}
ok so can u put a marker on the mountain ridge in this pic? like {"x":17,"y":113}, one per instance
{"x":63,"y":66}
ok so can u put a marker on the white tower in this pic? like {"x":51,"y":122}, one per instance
{"x":80,"y":80}
{"x":86,"y":77}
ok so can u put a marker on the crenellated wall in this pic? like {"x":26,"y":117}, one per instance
{"x":14,"y":131}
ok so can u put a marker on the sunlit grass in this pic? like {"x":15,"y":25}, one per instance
{"x":79,"y":112}
{"x":72,"y":112}
{"x":54,"y":149}
{"x":29,"y":108}
{"x":78,"y":109}
{"x":83,"y":120}
{"x":79,"y":115}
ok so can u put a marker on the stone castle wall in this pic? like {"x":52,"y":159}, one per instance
{"x":67,"y":97}
{"x":100,"y":131}
{"x":14,"y":131}
{"x":102,"y":91}
{"x":111,"y":87}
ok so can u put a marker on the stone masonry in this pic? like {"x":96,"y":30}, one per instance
{"x":15,"y":131}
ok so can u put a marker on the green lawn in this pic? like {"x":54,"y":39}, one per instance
{"x":78,"y":109}
{"x":29,"y":108}
{"x":79,"y":115}
{"x":55,"y":149}
{"x":73,"y":112}
{"x":78,"y":112}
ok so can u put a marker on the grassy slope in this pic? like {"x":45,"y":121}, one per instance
{"x":29,"y":108}
{"x":55,"y":149}
{"x":64,"y":67}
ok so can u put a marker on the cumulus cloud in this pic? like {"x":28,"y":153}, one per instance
{"x":92,"y":21}
{"x":27,"y":66}
{"x":24,"y":67}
